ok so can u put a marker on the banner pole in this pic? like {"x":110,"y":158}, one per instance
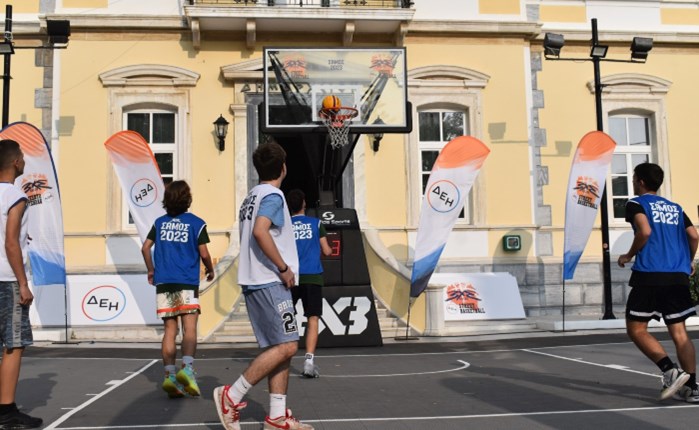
{"x":407,"y":323}
{"x":564,"y":305}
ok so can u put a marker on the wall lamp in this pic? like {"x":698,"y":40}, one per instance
{"x":640,"y":46}
{"x":221,"y":130}
{"x":58,"y":31}
{"x":377,"y":136}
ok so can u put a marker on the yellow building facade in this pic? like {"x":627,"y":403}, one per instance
{"x":179,"y":65}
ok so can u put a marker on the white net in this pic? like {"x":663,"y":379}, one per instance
{"x":337,"y":123}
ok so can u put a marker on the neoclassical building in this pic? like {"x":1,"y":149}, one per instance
{"x":475,"y":67}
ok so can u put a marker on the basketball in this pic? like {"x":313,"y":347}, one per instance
{"x":332,"y":103}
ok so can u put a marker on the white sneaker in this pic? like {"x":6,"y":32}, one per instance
{"x":687,"y":394}
{"x":673,"y":380}
{"x":310,"y":370}
{"x":285,"y":423}
{"x":228,"y":412}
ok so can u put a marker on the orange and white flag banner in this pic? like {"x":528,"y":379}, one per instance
{"x":450,"y":181}
{"x":139,"y":177}
{"x":585,"y":187}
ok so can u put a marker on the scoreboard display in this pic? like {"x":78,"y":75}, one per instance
{"x":349,"y":313}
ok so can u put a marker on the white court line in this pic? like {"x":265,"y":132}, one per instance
{"x":607,"y":366}
{"x":67,"y":415}
{"x":445,"y":417}
{"x":464,"y":365}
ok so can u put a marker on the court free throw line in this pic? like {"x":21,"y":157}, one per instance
{"x":607,"y":366}
{"x":111,"y":388}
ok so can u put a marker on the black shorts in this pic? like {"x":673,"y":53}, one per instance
{"x":312,"y":298}
{"x":673,"y":304}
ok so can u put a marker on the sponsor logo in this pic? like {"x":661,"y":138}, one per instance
{"x":144,"y":193}
{"x":104,"y":303}
{"x":586,"y":192}
{"x":328,"y":218}
{"x":346,"y":317}
{"x":295,"y":66}
{"x":443,"y":196}
{"x":463,"y":298}
{"x":36,"y":187}
{"x":383,"y":64}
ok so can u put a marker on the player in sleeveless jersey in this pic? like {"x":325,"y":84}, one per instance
{"x":664,"y":245}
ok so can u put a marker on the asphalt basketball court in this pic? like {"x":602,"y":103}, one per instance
{"x":572,"y":381}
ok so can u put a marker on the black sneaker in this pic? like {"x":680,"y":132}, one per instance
{"x":19,"y":420}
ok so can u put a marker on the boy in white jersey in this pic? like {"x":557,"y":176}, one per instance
{"x":267,"y":268}
{"x":15,"y":296}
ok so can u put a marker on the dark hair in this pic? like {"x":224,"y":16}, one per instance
{"x":178,"y":198}
{"x":9,"y":152}
{"x":651,"y":174}
{"x":295,"y":199}
{"x":268,"y":160}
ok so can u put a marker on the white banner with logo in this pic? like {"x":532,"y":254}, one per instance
{"x":479,"y":296}
{"x":98,"y":300}
{"x":450,"y":181}
{"x":139,"y":176}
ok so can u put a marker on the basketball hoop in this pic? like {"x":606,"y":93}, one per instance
{"x":337,"y":121}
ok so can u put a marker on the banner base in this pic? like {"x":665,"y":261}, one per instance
{"x":406,"y":338}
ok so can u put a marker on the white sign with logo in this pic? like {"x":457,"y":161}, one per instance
{"x":479,"y":296}
{"x":96,"y":300}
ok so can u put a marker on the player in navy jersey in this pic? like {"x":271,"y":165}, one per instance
{"x":180,"y":240}
{"x":665,"y":242}
{"x":310,"y":238}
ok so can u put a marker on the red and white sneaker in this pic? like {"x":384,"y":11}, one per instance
{"x":285,"y":423}
{"x":228,"y":412}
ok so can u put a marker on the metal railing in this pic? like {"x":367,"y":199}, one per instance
{"x":381,"y":4}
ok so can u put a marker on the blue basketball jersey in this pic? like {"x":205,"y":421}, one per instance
{"x":667,"y":249}
{"x":176,"y":254}
{"x":307,"y":235}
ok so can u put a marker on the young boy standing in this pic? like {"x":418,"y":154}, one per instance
{"x":15,"y":296}
{"x":267,"y":269}
{"x":310,"y":238}
{"x":180,"y":240}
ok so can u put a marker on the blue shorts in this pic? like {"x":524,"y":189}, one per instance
{"x":271,"y":312}
{"x":15,"y":329}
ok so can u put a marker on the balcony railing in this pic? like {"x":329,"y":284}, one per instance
{"x":381,"y":4}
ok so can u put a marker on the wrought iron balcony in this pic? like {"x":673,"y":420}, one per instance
{"x":378,"y":4}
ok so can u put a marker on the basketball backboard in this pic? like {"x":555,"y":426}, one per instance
{"x":371,"y":80}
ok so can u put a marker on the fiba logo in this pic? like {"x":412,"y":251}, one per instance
{"x":328,"y":216}
{"x":144,"y":193}
{"x":443,"y":196}
{"x":103,"y":303}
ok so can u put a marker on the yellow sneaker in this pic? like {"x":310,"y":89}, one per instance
{"x":173,"y":388}
{"x":187,"y":378}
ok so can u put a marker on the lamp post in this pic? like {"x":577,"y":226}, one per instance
{"x":553,"y":43}
{"x":7,"y":40}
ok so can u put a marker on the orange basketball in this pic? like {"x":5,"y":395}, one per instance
{"x":332,"y":103}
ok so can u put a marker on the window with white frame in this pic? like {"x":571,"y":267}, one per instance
{"x":632,"y":134}
{"x":158,"y":128}
{"x":436,"y":127}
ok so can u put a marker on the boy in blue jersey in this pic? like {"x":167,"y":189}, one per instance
{"x":665,"y":242}
{"x":180,"y":240}
{"x":310,"y":238}
{"x":267,"y":267}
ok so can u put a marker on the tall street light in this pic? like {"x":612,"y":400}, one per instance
{"x":553,"y":43}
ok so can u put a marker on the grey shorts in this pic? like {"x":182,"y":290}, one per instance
{"x":15,"y":329}
{"x":271,"y":312}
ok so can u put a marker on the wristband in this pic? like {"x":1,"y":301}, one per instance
{"x":285,"y":269}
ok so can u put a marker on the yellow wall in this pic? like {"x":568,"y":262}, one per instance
{"x":20,"y":6}
{"x":498,"y":7}
{"x":26,"y":79}
{"x":562,"y":13}
{"x":93,"y":4}
{"x":679,"y":16}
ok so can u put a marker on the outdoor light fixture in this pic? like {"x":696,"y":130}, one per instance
{"x":599,"y":51}
{"x":377,"y":136}
{"x":639,"y":53}
{"x":221,"y":129}
{"x":6,"y":47}
{"x":553,"y":43}
{"x":58,"y":31}
{"x":640,"y":46}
